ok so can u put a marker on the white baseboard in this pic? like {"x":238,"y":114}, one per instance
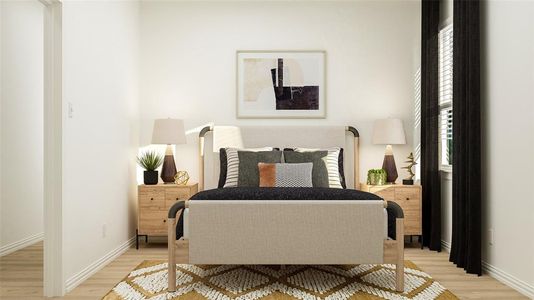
{"x":509,"y":280}
{"x":84,"y":274}
{"x":10,"y":248}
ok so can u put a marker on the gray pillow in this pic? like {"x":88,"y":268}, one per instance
{"x":319,"y":171}
{"x":249,"y":174}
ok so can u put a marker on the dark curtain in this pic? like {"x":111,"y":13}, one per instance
{"x":466,"y":164}
{"x":430,"y":176}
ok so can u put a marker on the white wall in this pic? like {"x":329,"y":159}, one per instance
{"x":446,"y":8}
{"x":508,"y":136}
{"x":100,"y":79}
{"x":188,"y":63}
{"x":446,"y":209}
{"x":21,"y":123}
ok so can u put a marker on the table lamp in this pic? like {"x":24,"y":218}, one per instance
{"x":168,"y":132}
{"x":389,"y":132}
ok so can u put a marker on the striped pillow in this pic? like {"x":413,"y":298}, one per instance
{"x":232,"y":158}
{"x":332,"y":165}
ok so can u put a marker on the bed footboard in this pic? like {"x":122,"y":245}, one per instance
{"x":288,"y":232}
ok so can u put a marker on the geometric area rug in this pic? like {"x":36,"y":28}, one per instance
{"x":250,"y":282}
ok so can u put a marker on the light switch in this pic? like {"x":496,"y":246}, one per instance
{"x":70,"y":110}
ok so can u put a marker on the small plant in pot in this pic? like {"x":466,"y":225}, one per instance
{"x":376,"y":177}
{"x":150,"y":161}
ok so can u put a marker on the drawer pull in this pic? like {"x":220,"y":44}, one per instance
{"x":151,"y":198}
{"x":407,"y":198}
{"x":177,"y":198}
{"x":164,"y":221}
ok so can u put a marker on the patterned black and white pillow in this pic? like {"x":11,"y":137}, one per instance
{"x":232,"y":161}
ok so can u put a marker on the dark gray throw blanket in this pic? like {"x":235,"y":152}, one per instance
{"x":277,"y":193}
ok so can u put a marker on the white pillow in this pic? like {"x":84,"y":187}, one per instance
{"x":232,"y":159}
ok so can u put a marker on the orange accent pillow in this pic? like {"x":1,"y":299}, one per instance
{"x":267,"y":174}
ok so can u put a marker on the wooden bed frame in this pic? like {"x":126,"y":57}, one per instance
{"x":393,"y":250}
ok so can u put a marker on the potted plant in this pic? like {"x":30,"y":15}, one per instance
{"x":376,"y":177}
{"x":150,"y":161}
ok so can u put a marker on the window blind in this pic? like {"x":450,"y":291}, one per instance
{"x":446,"y":136}
{"x":445,"y":66}
{"x":417,"y":113}
{"x":445,"y":93}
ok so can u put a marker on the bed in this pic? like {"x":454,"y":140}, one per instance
{"x":286,"y":226}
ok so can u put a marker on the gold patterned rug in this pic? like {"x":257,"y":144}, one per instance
{"x":149,"y":281}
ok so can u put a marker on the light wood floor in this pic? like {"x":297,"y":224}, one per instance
{"x":21,"y":274}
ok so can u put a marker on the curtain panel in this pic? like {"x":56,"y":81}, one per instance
{"x":466,"y":164}
{"x":430,"y":173}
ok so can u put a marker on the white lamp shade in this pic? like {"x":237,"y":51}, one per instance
{"x":168,"y":132}
{"x":389,"y":132}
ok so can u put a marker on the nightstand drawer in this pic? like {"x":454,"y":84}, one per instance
{"x":151,"y":198}
{"x":176,"y":194}
{"x":406,"y":194}
{"x":153,"y":222}
{"x":410,"y":201}
{"x":409,"y":198}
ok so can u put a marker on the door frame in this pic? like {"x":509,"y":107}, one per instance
{"x":53,"y":281}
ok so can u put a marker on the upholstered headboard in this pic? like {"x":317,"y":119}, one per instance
{"x":213,"y":138}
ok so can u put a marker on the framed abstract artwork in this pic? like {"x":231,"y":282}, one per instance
{"x":281,"y":84}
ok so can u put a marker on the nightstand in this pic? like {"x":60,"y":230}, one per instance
{"x":154,"y":204}
{"x":409,"y":197}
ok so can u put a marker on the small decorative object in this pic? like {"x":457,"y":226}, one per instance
{"x":281,"y":84}
{"x":376,"y":177}
{"x":411,"y":162}
{"x":181,"y":178}
{"x":389,"y":132}
{"x":150,"y":161}
{"x":168,"y":132}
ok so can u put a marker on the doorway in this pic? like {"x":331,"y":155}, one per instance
{"x":22,"y":144}
{"x":30,"y":144}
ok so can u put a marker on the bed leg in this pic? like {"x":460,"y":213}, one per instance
{"x":399,"y":237}
{"x":172,"y":257}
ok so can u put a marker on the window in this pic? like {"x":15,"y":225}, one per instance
{"x":445,"y":96}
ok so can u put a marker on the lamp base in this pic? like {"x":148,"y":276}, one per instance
{"x":391,"y":168}
{"x":168,"y":170}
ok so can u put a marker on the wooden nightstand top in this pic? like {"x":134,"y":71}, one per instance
{"x":166,"y":185}
{"x":393,"y":184}
{"x":365,"y":186}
